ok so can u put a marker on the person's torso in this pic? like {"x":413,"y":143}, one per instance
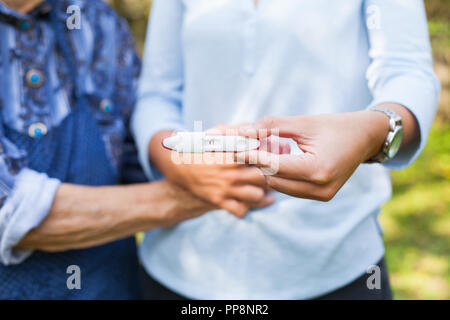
{"x":280,"y":58}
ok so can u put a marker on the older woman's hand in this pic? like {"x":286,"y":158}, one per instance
{"x":214,"y":177}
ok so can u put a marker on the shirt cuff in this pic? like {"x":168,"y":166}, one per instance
{"x":421,"y":101}
{"x":151,"y":116}
{"x":25,"y":208}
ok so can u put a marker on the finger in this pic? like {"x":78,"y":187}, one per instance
{"x":247,"y":193}
{"x":274,"y":144}
{"x":235,"y":207}
{"x":266,"y":201}
{"x":302,"y":189}
{"x":217,"y":129}
{"x":279,"y":126}
{"x":298,"y":167}
{"x":224,"y":160}
{"x":248,"y":175}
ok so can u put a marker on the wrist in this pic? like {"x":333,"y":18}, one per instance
{"x":376,"y":127}
{"x":181,"y":205}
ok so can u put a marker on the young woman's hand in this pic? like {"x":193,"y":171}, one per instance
{"x":334,"y":146}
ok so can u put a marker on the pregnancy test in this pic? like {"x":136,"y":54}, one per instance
{"x":200,"y":142}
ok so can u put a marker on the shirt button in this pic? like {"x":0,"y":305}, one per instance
{"x":25,"y":24}
{"x":34,"y":78}
{"x":37,"y":130}
{"x":106,"y":106}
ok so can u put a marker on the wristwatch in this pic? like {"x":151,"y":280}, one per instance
{"x":393,"y":139}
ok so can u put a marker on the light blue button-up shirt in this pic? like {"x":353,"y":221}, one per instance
{"x":229,"y":61}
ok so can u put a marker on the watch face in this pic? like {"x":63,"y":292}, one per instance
{"x":395,"y":143}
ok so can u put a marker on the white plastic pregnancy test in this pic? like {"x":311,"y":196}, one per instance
{"x":199,"y":142}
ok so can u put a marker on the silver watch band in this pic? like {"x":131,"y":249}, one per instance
{"x":395,"y":127}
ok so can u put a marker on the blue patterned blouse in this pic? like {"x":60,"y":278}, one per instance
{"x":37,"y":93}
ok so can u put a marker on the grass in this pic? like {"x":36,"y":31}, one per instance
{"x":417,"y":219}
{"x":417,"y":223}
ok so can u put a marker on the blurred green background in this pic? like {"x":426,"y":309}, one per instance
{"x":417,"y":219}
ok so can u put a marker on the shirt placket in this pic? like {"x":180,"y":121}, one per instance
{"x":250,"y":38}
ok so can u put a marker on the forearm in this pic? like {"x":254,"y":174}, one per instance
{"x":83,"y":216}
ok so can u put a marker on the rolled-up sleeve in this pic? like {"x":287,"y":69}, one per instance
{"x":161,"y":84}
{"x":26,"y":197}
{"x":401,"y":69}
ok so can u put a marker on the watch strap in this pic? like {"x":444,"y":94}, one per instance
{"x":395,"y":121}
